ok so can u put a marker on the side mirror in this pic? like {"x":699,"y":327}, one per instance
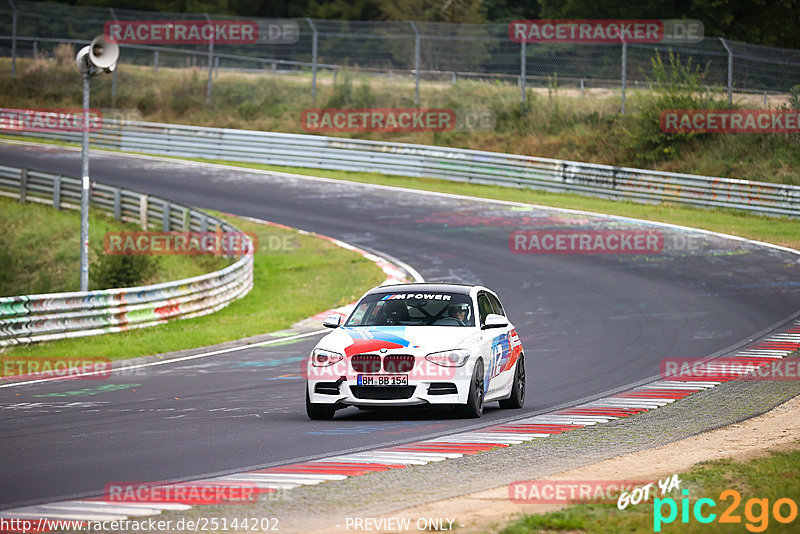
{"x":332,"y":321}
{"x":495,"y":321}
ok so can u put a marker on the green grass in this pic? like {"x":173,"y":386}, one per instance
{"x":40,"y":250}
{"x":773,"y":477}
{"x":289,"y":285}
{"x":557,"y":123}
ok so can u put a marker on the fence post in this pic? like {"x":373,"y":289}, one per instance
{"x":36,"y":50}
{"x":155,"y":62}
{"x":416,"y":62}
{"x":23,"y":185}
{"x":166,"y":208}
{"x":581,"y":87}
{"x":314,"y":44}
{"x":523,"y":65}
{"x":117,"y":204}
{"x":210,"y":64}
{"x":113,"y":74}
{"x":730,"y":71}
{"x":624,"y":72}
{"x":57,"y":192}
{"x":13,"y":38}
{"x":143,"y":212}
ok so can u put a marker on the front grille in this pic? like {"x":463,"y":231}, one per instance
{"x":398,"y":363}
{"x":442,"y":388}
{"x":366,"y":363}
{"x":327,"y":388}
{"x":382,"y":393}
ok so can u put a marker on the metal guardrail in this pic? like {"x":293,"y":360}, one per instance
{"x":462,"y":165}
{"x":33,"y":318}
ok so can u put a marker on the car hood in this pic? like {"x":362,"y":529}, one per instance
{"x":407,"y":339}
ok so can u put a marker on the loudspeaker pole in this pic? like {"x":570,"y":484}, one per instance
{"x":100,"y":56}
{"x":86,"y":184}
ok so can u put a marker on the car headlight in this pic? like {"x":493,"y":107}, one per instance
{"x":449,"y":358}
{"x":324,"y":358}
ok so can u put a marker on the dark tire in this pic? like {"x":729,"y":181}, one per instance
{"x":319,"y":411}
{"x":473,"y":409}
{"x":517,"y":398}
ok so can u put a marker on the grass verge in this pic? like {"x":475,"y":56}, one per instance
{"x":557,"y":122}
{"x":766,"y":480}
{"x":291,"y":283}
{"x":40,"y":251}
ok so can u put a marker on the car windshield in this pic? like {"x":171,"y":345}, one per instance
{"x":413,"y":309}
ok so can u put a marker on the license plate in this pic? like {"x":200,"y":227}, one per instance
{"x":382,"y":380}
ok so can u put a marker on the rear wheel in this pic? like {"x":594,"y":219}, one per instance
{"x":474,"y":405}
{"x":319,"y":411}
{"x":517,"y":398}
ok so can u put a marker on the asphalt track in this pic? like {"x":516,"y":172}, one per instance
{"x":589,"y":324}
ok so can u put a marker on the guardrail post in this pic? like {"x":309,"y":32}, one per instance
{"x":730,"y":71}
{"x":57,"y":192}
{"x":624,"y":72}
{"x":117,"y":204}
{"x":13,"y":38}
{"x":416,"y":62}
{"x":155,"y":62}
{"x":314,"y":44}
{"x":23,"y":185}
{"x":36,"y":50}
{"x":210,"y":64}
{"x":523,"y":64}
{"x":165,"y":212}
{"x":204,"y":223}
{"x":143,"y":211}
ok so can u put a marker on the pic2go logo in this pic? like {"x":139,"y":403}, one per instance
{"x":756,"y":511}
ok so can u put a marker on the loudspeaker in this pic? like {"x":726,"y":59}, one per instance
{"x":103,"y":54}
{"x":100,"y":54}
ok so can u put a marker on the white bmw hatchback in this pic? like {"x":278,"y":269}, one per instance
{"x":418,"y":344}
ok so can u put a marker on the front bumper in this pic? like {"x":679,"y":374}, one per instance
{"x":345,"y":392}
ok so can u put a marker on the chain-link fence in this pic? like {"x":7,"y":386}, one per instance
{"x":421,"y":52}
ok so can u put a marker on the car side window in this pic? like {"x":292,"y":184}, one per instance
{"x":484,"y":307}
{"x":498,"y":308}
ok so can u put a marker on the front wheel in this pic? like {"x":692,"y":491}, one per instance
{"x":517,"y":398}
{"x":319,"y":411}
{"x":474,"y":405}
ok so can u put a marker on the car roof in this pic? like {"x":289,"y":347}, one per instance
{"x":422,"y":288}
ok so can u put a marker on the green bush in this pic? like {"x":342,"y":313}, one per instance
{"x":677,"y":85}
{"x":110,"y":271}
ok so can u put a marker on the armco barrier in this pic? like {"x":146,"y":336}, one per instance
{"x":32,"y":318}
{"x":455,"y":164}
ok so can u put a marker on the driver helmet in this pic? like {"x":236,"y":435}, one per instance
{"x":456,"y":310}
